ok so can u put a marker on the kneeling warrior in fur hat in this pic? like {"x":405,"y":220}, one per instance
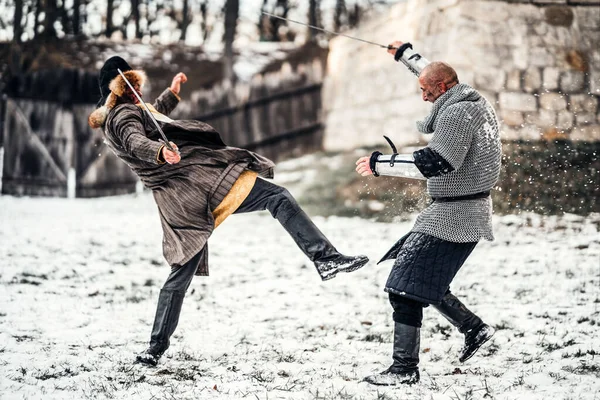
{"x":195,"y":186}
{"x":461,"y":164}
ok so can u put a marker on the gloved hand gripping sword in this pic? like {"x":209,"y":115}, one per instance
{"x":164,"y":139}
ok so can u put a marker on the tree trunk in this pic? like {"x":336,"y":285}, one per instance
{"x":313,"y":19}
{"x":338,"y":14}
{"x":135,"y":12}
{"x":36,"y":20}
{"x":18,"y":27}
{"x":204,"y":25}
{"x":50,"y":14}
{"x":185,"y":20}
{"x":76,"y":17}
{"x":232,"y":8}
{"x":109,"y":18}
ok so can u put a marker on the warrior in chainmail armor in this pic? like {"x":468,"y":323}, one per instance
{"x":461,"y":164}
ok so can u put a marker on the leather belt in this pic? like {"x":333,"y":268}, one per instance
{"x":480,"y":195}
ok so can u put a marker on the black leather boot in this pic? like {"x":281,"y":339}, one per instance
{"x":404,"y":369}
{"x":475,"y":330}
{"x":317,"y":247}
{"x":165,"y":322}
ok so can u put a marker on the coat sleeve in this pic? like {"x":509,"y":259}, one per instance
{"x":166,"y":102}
{"x":453,"y":136}
{"x":129,"y":128}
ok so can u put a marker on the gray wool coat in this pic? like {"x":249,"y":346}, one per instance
{"x":186,"y":192}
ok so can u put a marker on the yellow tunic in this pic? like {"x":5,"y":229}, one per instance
{"x":236,"y":196}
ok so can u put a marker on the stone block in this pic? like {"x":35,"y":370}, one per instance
{"x":513,"y":80}
{"x":509,"y":134}
{"x":553,"y":101}
{"x":564,"y":120}
{"x":595,"y":82}
{"x":518,"y":101}
{"x":484,"y":11}
{"x":588,"y":17}
{"x":572,"y":81}
{"x":543,"y":119}
{"x":550,"y":78}
{"x":532,"y":80}
{"x":557,"y":15}
{"x":531,"y":132}
{"x":585,"y":119}
{"x":491,"y":80}
{"x":583,"y":103}
{"x":541,"y":57}
{"x":512,"y":118}
{"x":520,"y":57}
{"x":590,"y":133}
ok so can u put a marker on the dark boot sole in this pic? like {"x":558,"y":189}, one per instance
{"x":351,"y":268}
{"x":483,"y":341}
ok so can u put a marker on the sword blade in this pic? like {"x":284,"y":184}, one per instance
{"x":332,"y":32}
{"x":162,"y":134}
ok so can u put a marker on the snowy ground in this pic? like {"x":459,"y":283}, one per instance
{"x":80,"y":278}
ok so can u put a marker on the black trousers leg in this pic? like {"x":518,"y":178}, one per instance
{"x":406,"y":311}
{"x":169,"y":305}
{"x":283,"y":207}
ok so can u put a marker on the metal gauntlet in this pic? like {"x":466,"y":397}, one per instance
{"x":401,"y":165}
{"x":411,"y":58}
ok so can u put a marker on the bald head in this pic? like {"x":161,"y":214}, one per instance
{"x":438,"y":72}
{"x":435,"y":79}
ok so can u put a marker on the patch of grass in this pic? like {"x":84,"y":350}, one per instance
{"x":43,"y":277}
{"x":23,"y":338}
{"x":503,"y":325}
{"x":54,"y":373}
{"x":444,"y":330}
{"x":374,"y":337}
{"x":262,"y":376}
{"x":584,"y":369}
{"x":135,"y":299}
{"x":288,"y":358}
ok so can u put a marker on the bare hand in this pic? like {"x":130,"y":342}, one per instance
{"x":395,"y":45}
{"x":172,"y":157}
{"x":363,"y":167}
{"x":177,"y":81}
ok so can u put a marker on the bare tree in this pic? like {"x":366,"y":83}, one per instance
{"x":185,"y":20}
{"x":135,"y":13}
{"x":181,"y":17}
{"x":354,"y":16}
{"x":204,"y":24}
{"x":313,"y":18}
{"x":232,"y":9}
{"x":110,"y":8}
{"x":339,"y":14}
{"x":270,"y":27}
{"x":76,"y":19}
{"x":50,"y":16}
{"x":18,"y":27}
{"x":36,"y":18}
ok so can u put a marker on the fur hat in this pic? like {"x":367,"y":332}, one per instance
{"x":113,"y":87}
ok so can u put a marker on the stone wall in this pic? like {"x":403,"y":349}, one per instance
{"x":537,"y":61}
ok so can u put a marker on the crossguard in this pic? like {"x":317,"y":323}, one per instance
{"x":394,"y":150}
